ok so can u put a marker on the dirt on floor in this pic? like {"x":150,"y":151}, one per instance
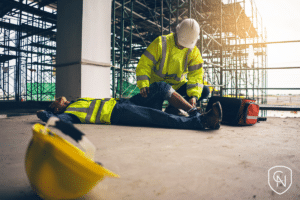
{"x":158,"y":163}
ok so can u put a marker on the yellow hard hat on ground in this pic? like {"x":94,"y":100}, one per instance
{"x":57,"y":169}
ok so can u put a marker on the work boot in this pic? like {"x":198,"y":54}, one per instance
{"x":213,"y":117}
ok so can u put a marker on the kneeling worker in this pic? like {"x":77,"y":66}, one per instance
{"x":174,"y":59}
{"x":136,"y":111}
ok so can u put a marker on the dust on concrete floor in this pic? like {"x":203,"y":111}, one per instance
{"x":157,"y":163}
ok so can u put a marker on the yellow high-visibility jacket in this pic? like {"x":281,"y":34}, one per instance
{"x":93,"y":111}
{"x":163,"y":61}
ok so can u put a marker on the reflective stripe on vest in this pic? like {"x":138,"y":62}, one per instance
{"x":163,"y":58}
{"x":195,"y":67}
{"x":78,"y":109}
{"x":88,"y":111}
{"x":141,"y":78}
{"x":251,"y":117}
{"x":100,"y":110}
{"x":172,"y":76}
{"x":194,"y":85}
{"x":186,"y":59}
{"x":150,"y":56}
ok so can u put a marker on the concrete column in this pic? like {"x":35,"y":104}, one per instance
{"x":83,"y":48}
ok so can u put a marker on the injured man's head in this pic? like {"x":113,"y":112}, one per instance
{"x":59,"y":105}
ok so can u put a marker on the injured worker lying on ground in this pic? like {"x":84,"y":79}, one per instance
{"x":136,"y":111}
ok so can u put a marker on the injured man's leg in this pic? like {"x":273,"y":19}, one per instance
{"x":131,"y":113}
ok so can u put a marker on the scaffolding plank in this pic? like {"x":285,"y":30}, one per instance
{"x":44,"y":64}
{"x":4,"y":58}
{"x":42,"y":46}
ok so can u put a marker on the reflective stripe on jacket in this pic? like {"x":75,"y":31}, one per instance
{"x":163,"y":61}
{"x":93,"y":111}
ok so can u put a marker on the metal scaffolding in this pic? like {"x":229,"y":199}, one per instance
{"x":232,"y":44}
{"x":231,"y":40}
{"x":28,"y":49}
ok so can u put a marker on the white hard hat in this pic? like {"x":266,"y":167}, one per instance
{"x":187,"y":33}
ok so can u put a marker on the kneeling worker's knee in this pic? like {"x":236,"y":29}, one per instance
{"x":163,"y":89}
{"x":158,"y":85}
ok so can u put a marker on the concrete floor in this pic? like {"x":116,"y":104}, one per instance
{"x":156,"y":163}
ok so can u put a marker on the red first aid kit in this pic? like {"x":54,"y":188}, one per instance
{"x":236,"y":111}
{"x":248,"y":112}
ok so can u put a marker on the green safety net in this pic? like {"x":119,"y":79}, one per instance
{"x":40,"y":91}
{"x":128,"y":89}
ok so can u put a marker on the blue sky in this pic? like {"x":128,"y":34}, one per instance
{"x":282,"y":21}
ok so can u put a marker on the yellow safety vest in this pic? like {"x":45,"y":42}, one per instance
{"x":163,"y":61}
{"x":93,"y":111}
